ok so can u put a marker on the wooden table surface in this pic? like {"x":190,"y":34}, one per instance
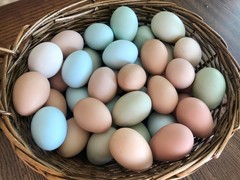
{"x":223,"y":16}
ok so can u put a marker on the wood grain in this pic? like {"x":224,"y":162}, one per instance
{"x":223,"y":16}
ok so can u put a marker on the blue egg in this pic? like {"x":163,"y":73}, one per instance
{"x":124,"y":23}
{"x":119,"y":53}
{"x":49,"y":128}
{"x":95,"y":56}
{"x":77,"y":69}
{"x":157,"y":121}
{"x":98,"y":36}
{"x":73,"y":95}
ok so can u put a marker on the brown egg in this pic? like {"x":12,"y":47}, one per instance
{"x":57,"y":100}
{"x":194,"y":114}
{"x":172,"y":142}
{"x":76,"y":140}
{"x":30,"y":92}
{"x":102,"y":84}
{"x":154,"y":56}
{"x":163,"y":94}
{"x":181,"y":96}
{"x":92,"y":115}
{"x":130,"y":149}
{"x":57,"y":82}
{"x":131,"y":77}
{"x":180,"y":73}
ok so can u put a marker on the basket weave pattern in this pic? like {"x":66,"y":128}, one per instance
{"x":77,"y":17}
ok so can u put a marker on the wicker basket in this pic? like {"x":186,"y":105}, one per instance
{"x":77,"y":17}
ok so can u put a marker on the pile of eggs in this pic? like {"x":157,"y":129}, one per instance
{"x":122,"y":91}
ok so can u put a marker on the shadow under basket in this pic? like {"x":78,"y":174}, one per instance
{"x":77,"y":17}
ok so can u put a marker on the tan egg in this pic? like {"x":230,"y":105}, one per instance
{"x":56,"y":82}
{"x":75,"y":141}
{"x":130,"y":149}
{"x":195,"y":114}
{"x":154,"y":56}
{"x":69,"y":41}
{"x":131,"y":77}
{"x":30,"y":92}
{"x":57,"y":100}
{"x":92,"y":115}
{"x":172,"y":142}
{"x":102,"y":84}
{"x":163,"y":94}
{"x":180,"y":73}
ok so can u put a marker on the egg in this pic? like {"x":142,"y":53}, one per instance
{"x":144,"y":33}
{"x":156,"y":121}
{"x":189,"y":49}
{"x":209,"y":86}
{"x":131,"y":77}
{"x":142,"y":129}
{"x":103,"y":84}
{"x":69,"y":41}
{"x":92,"y":115}
{"x":163,"y":94}
{"x":75,"y":141}
{"x":170,"y":51}
{"x":46,"y":58}
{"x":56,"y":82}
{"x":119,"y":53}
{"x":73,"y":95}
{"x":98,"y":36}
{"x":56,"y":99}
{"x":124,"y":23}
{"x":154,"y":56}
{"x":180,"y":73}
{"x":95,"y":57}
{"x":131,"y":108}
{"x":49,"y":128}
{"x":77,"y":69}
{"x":172,"y":142}
{"x":111,"y":103}
{"x":30,"y":92}
{"x":167,"y":26}
{"x":195,"y":114}
{"x":98,"y":151}
{"x":130,"y":150}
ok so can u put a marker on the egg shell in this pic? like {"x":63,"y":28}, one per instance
{"x":194,"y":114}
{"x":144,"y":33}
{"x":73,"y":95}
{"x":98,"y":151}
{"x":56,"y":82}
{"x":142,"y":129}
{"x":189,"y":49}
{"x":209,"y":86}
{"x":30,"y":92}
{"x":154,"y":56}
{"x":75,"y":141}
{"x":167,"y":26}
{"x":170,"y":50}
{"x":111,"y":103}
{"x":46,"y":58}
{"x":119,"y":53}
{"x":69,"y":41}
{"x":181,"y":96}
{"x":56,"y":99}
{"x":130,"y":149}
{"x":180,"y":73}
{"x":172,"y":142}
{"x":49,"y":128}
{"x":156,"y":121}
{"x":163,"y":94}
{"x":131,"y":77}
{"x":98,"y":36}
{"x":77,"y":69}
{"x":131,"y":108}
{"x":92,"y":115}
{"x":124,"y":23}
{"x":95,"y":56}
{"x":102,"y":84}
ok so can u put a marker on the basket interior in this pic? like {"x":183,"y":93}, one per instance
{"x":78,"y":17}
